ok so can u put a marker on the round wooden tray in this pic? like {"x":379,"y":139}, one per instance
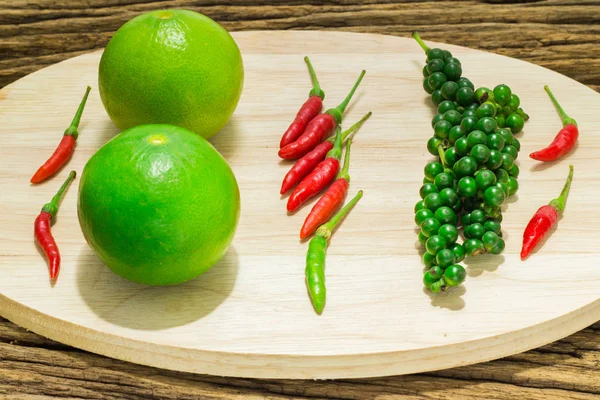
{"x":250,"y":315}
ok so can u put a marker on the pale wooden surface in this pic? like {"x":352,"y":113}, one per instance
{"x":250,"y":316}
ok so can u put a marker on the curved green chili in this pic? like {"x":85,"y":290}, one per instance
{"x":315,"y":257}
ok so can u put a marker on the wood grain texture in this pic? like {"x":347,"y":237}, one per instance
{"x":562,"y":35}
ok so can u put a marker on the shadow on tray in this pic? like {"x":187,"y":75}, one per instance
{"x":135,"y":306}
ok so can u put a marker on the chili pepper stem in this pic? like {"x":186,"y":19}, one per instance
{"x":72,"y":129}
{"x":348,"y":132}
{"x":316,"y":89}
{"x":344,"y":172}
{"x":563,"y":115}
{"x":416,"y":36}
{"x":52,"y":206}
{"x":327,"y":229}
{"x":560,"y":202}
{"x":442,"y":155}
{"x":339,"y":110}
{"x":336,"y":151}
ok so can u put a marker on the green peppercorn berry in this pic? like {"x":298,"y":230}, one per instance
{"x":435,"y":65}
{"x":428,"y":279}
{"x":465,"y":82}
{"x":436,"y":80}
{"x":453,"y":71}
{"x":436,"y":271}
{"x":433,"y":201}
{"x":476,"y":137}
{"x":447,"y":55}
{"x":502,"y":94}
{"x":429,"y":260}
{"x":513,"y":186}
{"x":426,"y":180}
{"x":467,"y":187}
{"x":419,"y":205}
{"x":462,"y":147}
{"x":511,"y":150}
{"x":493,"y":196}
{"x":472,"y":107}
{"x":459,"y":108}
{"x":492,"y":226}
{"x":476,"y":231}
{"x":500,"y":120}
{"x":422,"y":214}
{"x":425,"y":71}
{"x":499,"y":248}
{"x":448,"y":195}
{"x":436,"y":97}
{"x":514,"y":102}
{"x":466,"y":166}
{"x":515,"y":122}
{"x":465,"y":96}
{"x":504,"y":187}
{"x":489,"y":240}
{"x":427,"y":188}
{"x":516,"y":144}
{"x":432,"y":145}
{"x":487,"y":125}
{"x":466,"y":219}
{"x":436,"y":118}
{"x":448,"y":232}
{"x":485,"y":178}
{"x":434,"y":53}
{"x":451,"y":156}
{"x":442,"y":129}
{"x":445,"y":106}
{"x":473,"y":247}
{"x":470,"y":114}
{"x":483,"y":94}
{"x":454,"y":275}
{"x":437,"y":286}
{"x":506,"y":135}
{"x":449,"y":90}
{"x":495,"y":160}
{"x":502,"y":175}
{"x":495,"y":142}
{"x":487,"y":109}
{"x":459,"y":252}
{"x":453,"y":116}
{"x":477,"y":216}
{"x":444,"y":258}
{"x":480,"y":153}
{"x":468,"y":123}
{"x":445,"y":215}
{"x":507,"y":161}
{"x":455,"y":133}
{"x":433,"y":169}
{"x":430,"y":227}
{"x":434,"y":244}
{"x":443,"y":181}
{"x":426,"y":86}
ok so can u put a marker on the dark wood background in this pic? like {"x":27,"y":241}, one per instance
{"x":558,"y":34}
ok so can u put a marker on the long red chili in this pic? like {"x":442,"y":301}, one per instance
{"x":545,"y":218}
{"x":65,"y":148}
{"x":331,"y":200}
{"x":564,"y":140}
{"x":43,"y":232}
{"x":323,"y":174}
{"x":310,"y":109}
{"x":318,"y":129}
{"x":309,"y":161}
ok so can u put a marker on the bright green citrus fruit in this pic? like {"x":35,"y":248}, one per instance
{"x":158,"y":204}
{"x":173,"y":67}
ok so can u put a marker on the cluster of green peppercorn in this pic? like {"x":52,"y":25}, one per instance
{"x":475,"y":173}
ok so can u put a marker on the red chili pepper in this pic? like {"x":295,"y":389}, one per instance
{"x":42,"y":231}
{"x":564,"y":140}
{"x":318,"y":129}
{"x":308,"y":162}
{"x":329,"y":203}
{"x":310,"y":109}
{"x":545,"y":218}
{"x":65,"y":148}
{"x":319,"y":178}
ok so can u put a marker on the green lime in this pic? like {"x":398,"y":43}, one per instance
{"x":173,"y":67}
{"x":158,"y":204}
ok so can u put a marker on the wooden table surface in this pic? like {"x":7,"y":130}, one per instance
{"x":561,"y":35}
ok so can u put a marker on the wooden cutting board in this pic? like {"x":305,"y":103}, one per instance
{"x":250,"y":315}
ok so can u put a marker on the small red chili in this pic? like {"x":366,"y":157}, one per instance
{"x":564,"y":140}
{"x":318,"y":129}
{"x":331,"y":200}
{"x":310,"y":109}
{"x":319,"y":178}
{"x":42,"y":230}
{"x":65,"y":148}
{"x":545,"y":218}
{"x":308,"y":162}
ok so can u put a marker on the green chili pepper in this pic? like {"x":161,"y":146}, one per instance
{"x":315,"y":257}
